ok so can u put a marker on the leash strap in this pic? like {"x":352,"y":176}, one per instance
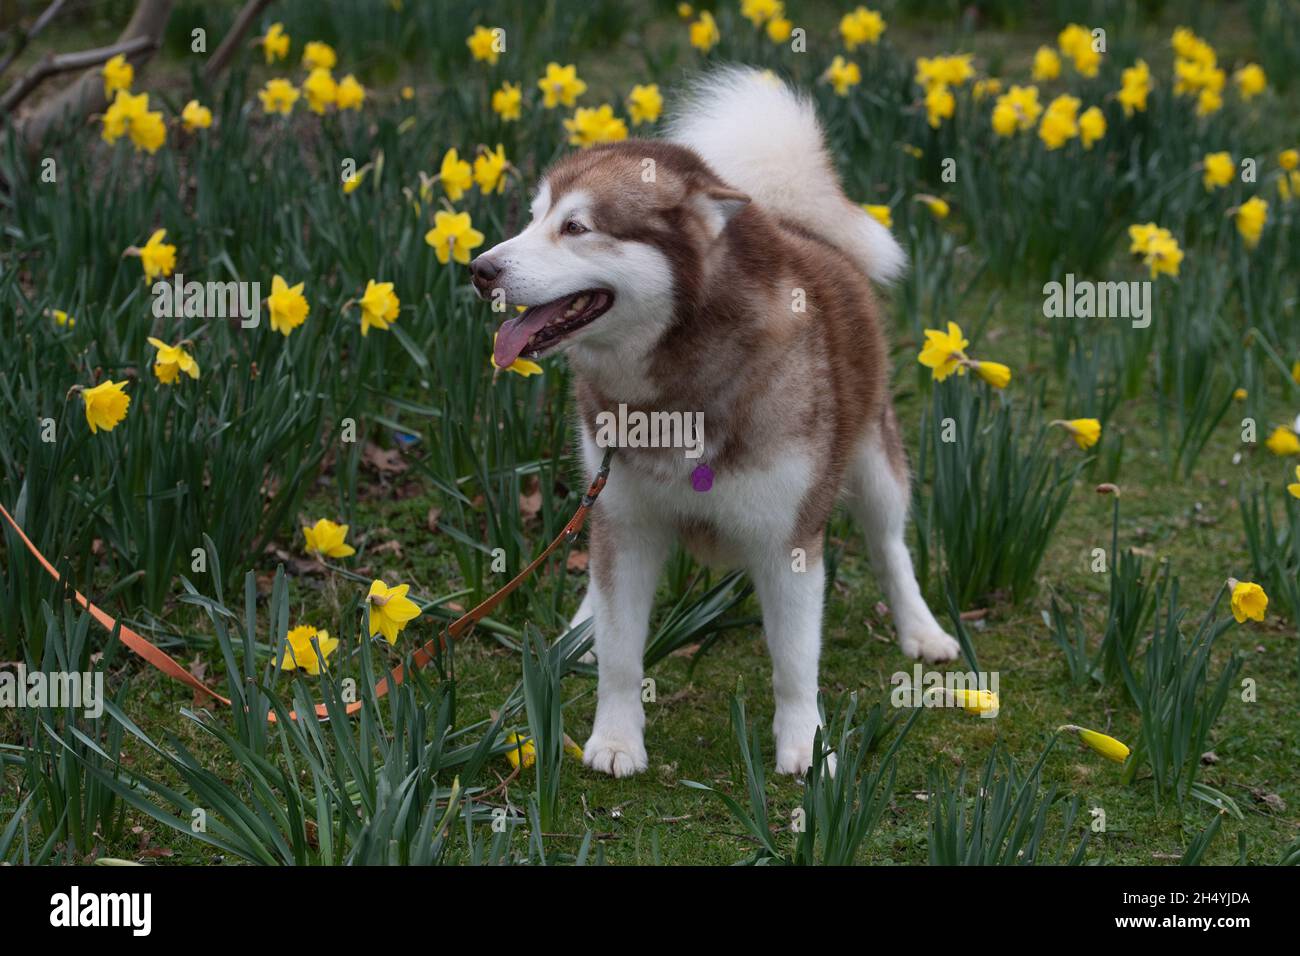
{"x":160,"y":659}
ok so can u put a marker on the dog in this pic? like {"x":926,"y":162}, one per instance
{"x":720,"y":270}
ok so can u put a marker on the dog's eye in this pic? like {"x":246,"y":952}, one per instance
{"x":573,"y":228}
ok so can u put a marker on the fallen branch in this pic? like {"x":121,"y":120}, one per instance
{"x":23,"y":37}
{"x":243,"y":23}
{"x":53,"y":64}
{"x":86,"y":94}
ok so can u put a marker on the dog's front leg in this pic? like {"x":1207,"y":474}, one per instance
{"x":625,"y":564}
{"x":791,"y":598}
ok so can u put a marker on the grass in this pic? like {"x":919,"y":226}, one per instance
{"x":1177,"y":509}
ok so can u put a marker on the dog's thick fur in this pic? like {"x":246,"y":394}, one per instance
{"x":741,"y":277}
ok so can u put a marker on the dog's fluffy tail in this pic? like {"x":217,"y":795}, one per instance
{"x":763,"y":138}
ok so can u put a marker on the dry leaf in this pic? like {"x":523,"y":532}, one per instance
{"x":383,"y":462}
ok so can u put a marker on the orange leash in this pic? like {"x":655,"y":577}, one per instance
{"x":164,"y":662}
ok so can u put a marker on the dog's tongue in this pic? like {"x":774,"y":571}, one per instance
{"x":514,"y":333}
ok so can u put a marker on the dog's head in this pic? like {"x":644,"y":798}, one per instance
{"x":620,"y":235}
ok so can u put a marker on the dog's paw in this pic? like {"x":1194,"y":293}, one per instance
{"x":588,"y":658}
{"x":619,"y":756}
{"x":794,"y":743}
{"x":931,"y":643}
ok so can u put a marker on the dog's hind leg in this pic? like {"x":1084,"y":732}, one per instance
{"x":626,"y":561}
{"x":879,"y":499}
{"x":792,"y":624}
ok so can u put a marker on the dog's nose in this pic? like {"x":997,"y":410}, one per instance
{"x":483,"y":271}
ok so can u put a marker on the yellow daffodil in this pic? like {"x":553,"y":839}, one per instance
{"x":983,"y":89}
{"x":171,"y":361}
{"x":507,"y":101}
{"x":644,"y":104}
{"x":1289,"y":158}
{"x":779,"y":29}
{"x":1060,"y":122}
{"x":1092,"y":126}
{"x":522,"y":751}
{"x":704,"y":32}
{"x":560,"y":86}
{"x":953,"y":70}
{"x":944,"y":352}
{"x":1107,"y":746}
{"x":318,"y":56}
{"x":1251,"y":216}
{"x":995,"y":373}
{"x":882,"y":214}
{"x":860,"y":26}
{"x":490,"y":169}
{"x":148,"y":132}
{"x":1249,"y":602}
{"x":939,"y":105}
{"x":1075,"y":41}
{"x":483,"y":45}
{"x":157,"y":258}
{"x":118,"y":74}
{"x":1283,"y":441}
{"x":843,"y":75}
{"x":759,"y":12}
{"x":390,"y":609}
{"x":130,"y":115}
{"x":1250,"y":80}
{"x":1294,"y":488}
{"x":1157,"y":246}
{"x":349,"y":94}
{"x":379,"y":306}
{"x":1086,"y":432}
{"x":1288,"y":185}
{"x":408,"y":92}
{"x":520,"y":366}
{"x":62,"y":319}
{"x":1047,"y":65}
{"x":456,"y":175}
{"x":1016,"y":110}
{"x":288,"y":306}
{"x":938,"y":207}
{"x":299,"y":652}
{"x":1239,"y":394}
{"x":325,"y":539}
{"x":975,"y":701}
{"x":275,"y":44}
{"x":453,"y":236}
{"x":195,"y":116}
{"x":319,"y":88}
{"x":1219,"y":170}
{"x":278,"y":96}
{"x":588,"y":127}
{"x":105,"y":405}
{"x":1135,"y":88}
{"x":121,"y":113}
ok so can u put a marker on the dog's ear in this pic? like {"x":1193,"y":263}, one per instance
{"x":718,"y":204}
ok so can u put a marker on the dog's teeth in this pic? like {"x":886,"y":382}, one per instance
{"x":579,"y":303}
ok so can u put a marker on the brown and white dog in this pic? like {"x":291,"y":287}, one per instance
{"x":721,"y":271}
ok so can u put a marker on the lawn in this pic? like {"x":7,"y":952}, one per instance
{"x":184,"y":518}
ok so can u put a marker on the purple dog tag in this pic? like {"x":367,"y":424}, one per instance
{"x":702,"y":478}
